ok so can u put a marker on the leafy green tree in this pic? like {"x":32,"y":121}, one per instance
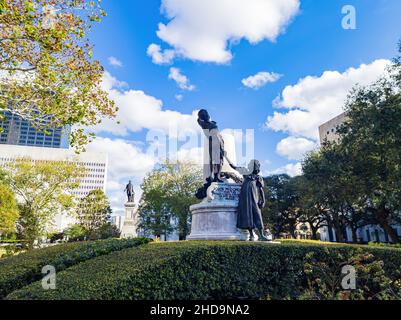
{"x":281,"y":213}
{"x":106,"y":231}
{"x":332,"y":185}
{"x":155,"y":217}
{"x":312,"y":212}
{"x":371,"y":139}
{"x":8,"y":210}
{"x":46,"y":61}
{"x":183,"y":180}
{"x":76,"y":232}
{"x":168,"y":192}
{"x":94,"y":211}
{"x":43,"y":189}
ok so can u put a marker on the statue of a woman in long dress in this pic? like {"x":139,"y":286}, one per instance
{"x":251,"y":200}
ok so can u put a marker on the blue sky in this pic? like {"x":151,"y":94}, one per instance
{"x":309,"y":42}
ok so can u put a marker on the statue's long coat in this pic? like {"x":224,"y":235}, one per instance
{"x":249,"y":213}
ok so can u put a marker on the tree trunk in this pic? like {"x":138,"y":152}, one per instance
{"x":354,"y":235}
{"x":338,"y":229}
{"x":339,"y":234}
{"x":314,"y":231}
{"x":382,"y":217}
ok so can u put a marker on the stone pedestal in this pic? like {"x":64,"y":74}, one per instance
{"x":215,"y":218}
{"x":130,"y":225}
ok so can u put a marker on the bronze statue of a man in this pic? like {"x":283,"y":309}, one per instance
{"x":129,"y":189}
{"x":215,"y":146}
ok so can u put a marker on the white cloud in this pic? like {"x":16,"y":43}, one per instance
{"x":126,"y":159}
{"x":109,"y":82}
{"x":179,"y":97}
{"x":160,"y":57}
{"x":295,"y":148}
{"x":315,"y":100}
{"x":181,"y":80}
{"x":115,"y":62}
{"x":126,"y":162}
{"x":138,"y":111}
{"x":260,"y":79}
{"x":292,"y":169}
{"x":193,"y":155}
{"x":202,"y":30}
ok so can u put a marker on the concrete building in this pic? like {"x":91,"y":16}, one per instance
{"x":368,"y":233}
{"x":17,"y":131}
{"x":94,"y":163}
{"x":328,"y":130}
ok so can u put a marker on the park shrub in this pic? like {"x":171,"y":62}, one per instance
{"x":227,"y":270}
{"x":21,"y":270}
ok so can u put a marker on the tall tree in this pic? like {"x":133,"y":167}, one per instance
{"x":43,"y":189}
{"x":313,"y":212}
{"x":281,"y":213}
{"x":155,"y":217}
{"x":168,"y":192}
{"x":46,"y":62}
{"x":333,"y":187}
{"x":94,"y":211}
{"x":8,"y":210}
{"x":371,"y":139}
{"x":183,"y":180}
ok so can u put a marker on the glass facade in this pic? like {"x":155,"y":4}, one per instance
{"x":17,"y":131}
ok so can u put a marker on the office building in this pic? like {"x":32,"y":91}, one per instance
{"x":17,"y":131}
{"x":94,"y":163}
{"x":328,"y":130}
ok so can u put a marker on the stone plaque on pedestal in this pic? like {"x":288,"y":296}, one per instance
{"x":215,"y":218}
{"x":130,"y":225}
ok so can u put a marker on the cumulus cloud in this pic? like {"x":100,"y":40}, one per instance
{"x":312,"y":102}
{"x":202,"y":30}
{"x":126,"y":162}
{"x":315,"y":100}
{"x":109,"y":82}
{"x":292,"y":169}
{"x":260,"y":79}
{"x":295,"y":148}
{"x":160,"y":57}
{"x":181,"y":80}
{"x":131,"y":160}
{"x":114,"y":62}
{"x":138,"y":111}
{"x":179,"y":97}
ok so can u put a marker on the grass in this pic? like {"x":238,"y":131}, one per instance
{"x":318,"y":242}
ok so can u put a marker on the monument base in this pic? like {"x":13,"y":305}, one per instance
{"x":129,"y":229}
{"x":215,"y":218}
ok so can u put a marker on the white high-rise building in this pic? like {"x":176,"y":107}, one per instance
{"x":328,"y":130}
{"x":94,"y":163}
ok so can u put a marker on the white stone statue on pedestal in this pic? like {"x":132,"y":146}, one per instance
{"x":130,"y":226}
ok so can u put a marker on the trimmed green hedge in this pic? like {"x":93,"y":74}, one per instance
{"x":21,"y":270}
{"x":226,"y":270}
